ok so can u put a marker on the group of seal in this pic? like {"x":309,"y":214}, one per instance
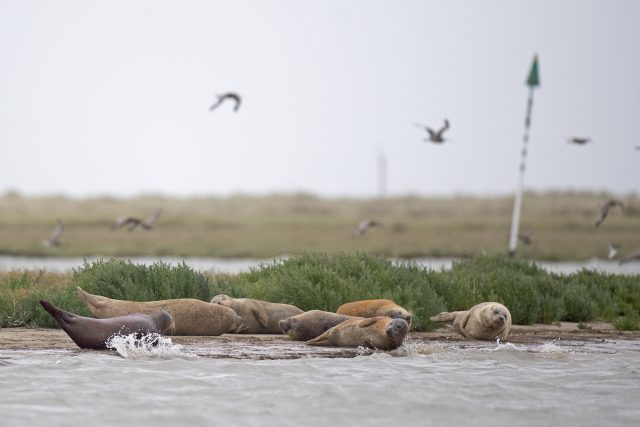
{"x":191,"y":316}
{"x":375,"y":323}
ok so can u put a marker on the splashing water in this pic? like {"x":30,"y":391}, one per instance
{"x":147,"y":346}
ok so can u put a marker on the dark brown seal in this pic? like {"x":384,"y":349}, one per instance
{"x":310,"y":324}
{"x":92,"y":333}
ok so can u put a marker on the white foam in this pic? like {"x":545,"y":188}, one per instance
{"x":148,"y":346}
{"x":550,"y":347}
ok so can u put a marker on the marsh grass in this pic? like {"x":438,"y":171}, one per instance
{"x":562,"y":226}
{"x":325,"y":281}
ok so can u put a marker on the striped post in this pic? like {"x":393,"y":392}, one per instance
{"x":532,"y":81}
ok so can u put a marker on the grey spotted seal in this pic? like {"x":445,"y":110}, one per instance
{"x":484,"y":321}
{"x":258,"y":317}
{"x":380,"y":332}
{"x":191,"y":316}
{"x":92,"y":333}
{"x":311,"y":324}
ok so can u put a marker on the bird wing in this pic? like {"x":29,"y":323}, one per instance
{"x":150,"y":222}
{"x":57,"y":232}
{"x":216,"y":104}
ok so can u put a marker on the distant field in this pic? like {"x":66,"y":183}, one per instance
{"x":561,"y":226}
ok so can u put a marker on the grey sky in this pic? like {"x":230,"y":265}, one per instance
{"x":112,"y":97}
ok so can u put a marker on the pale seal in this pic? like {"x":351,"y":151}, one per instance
{"x":310,"y":324}
{"x":191,"y":316}
{"x":374,"y":308}
{"x":485,"y":321}
{"x":383,"y":333}
{"x":258,"y":317}
{"x":88,"y":332}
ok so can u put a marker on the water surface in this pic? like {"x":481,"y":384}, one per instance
{"x":238,"y":265}
{"x":421,"y":384}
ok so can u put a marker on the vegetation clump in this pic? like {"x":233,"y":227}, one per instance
{"x":325,"y":281}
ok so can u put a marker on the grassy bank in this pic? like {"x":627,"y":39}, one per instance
{"x":562,"y":226}
{"x":324,"y":281}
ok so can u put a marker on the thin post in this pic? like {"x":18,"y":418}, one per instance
{"x":532,"y":81}
{"x":382,"y":175}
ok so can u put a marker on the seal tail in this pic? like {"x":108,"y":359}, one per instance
{"x":60,"y":316}
{"x":93,"y":301}
{"x":320,"y":339}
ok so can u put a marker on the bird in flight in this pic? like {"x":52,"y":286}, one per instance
{"x":225,"y":96}
{"x":132,"y":223}
{"x":578,"y":140}
{"x":525,"y":238}
{"x":435,"y":136}
{"x":604,"y":209}
{"x":633,"y":256}
{"x":613,"y":250}
{"x":364,"y":226}
{"x":56,"y":234}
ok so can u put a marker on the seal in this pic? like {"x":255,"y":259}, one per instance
{"x":191,"y":316}
{"x":374,"y":308}
{"x":259,"y":317}
{"x":484,"y":321}
{"x":92,"y":333}
{"x":310,"y":324}
{"x":380,"y":332}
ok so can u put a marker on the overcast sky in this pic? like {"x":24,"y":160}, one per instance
{"x":112,"y":97}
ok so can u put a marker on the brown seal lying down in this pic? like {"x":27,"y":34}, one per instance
{"x":92,"y":333}
{"x":485,"y":321}
{"x":310,"y":324}
{"x":373,"y":308}
{"x":259,"y":317}
{"x":191,"y":316}
{"x":380,"y":332}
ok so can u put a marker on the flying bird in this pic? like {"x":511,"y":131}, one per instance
{"x":633,"y":256}
{"x":578,"y":140}
{"x":132,"y":223}
{"x":225,"y":96}
{"x":435,"y":136}
{"x":613,"y":250}
{"x":56,"y":234}
{"x":364,"y":226}
{"x":604,"y":209}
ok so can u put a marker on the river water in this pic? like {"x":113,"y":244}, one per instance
{"x":232,"y":382}
{"x":237,"y":265}
{"x":466,"y":384}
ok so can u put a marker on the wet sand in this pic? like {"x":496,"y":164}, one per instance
{"x":281,"y":347}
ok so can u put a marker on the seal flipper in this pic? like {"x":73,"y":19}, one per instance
{"x":445,"y":316}
{"x":369,"y":321}
{"x":320,"y":339}
{"x":260,"y":315}
{"x":62,"y":317}
{"x":92,"y":301}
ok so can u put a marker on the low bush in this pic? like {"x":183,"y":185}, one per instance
{"x":325,"y":281}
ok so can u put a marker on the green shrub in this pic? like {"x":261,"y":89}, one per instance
{"x":324,"y":282}
{"x":124,"y":280}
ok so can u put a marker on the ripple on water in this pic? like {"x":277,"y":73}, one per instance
{"x":151,"y":346}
